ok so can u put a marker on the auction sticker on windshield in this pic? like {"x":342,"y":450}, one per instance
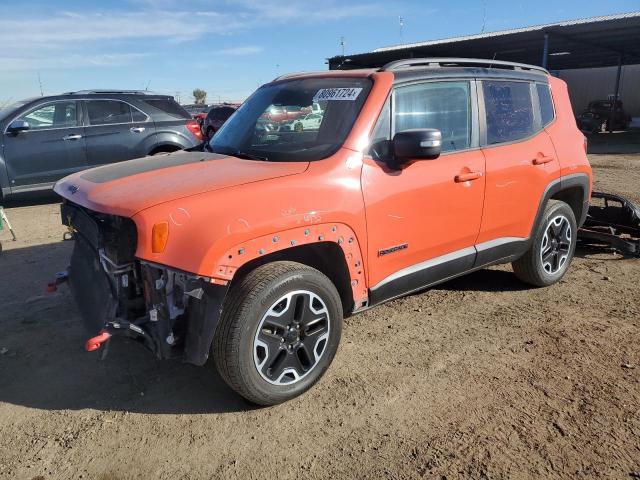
{"x":326,"y":94}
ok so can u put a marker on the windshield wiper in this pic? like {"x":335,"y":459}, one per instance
{"x":238,"y":153}
{"x":249,"y":156}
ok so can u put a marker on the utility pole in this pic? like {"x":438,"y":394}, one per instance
{"x":342,"y":44}
{"x":401,"y":21}
{"x":40,"y":83}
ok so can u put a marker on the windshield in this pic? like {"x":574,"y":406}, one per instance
{"x":274,"y":123}
{"x":7,"y":110}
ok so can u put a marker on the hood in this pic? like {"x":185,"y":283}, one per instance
{"x":126,"y":188}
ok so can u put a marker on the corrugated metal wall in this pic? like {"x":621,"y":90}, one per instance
{"x":587,"y":84}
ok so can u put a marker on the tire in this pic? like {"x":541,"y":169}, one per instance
{"x":540,"y":266}
{"x":271,"y":364}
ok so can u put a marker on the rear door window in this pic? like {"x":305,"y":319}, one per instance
{"x":445,"y":106}
{"x":105,"y":112}
{"x":509,"y":111}
{"x":546,"y":104}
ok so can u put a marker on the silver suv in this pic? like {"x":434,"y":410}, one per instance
{"x":47,"y":138}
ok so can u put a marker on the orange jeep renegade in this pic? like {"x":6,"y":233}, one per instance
{"x":256,"y":248}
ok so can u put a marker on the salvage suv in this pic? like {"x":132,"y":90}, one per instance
{"x":256,"y":249}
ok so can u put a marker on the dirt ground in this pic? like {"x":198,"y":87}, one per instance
{"x":481,"y":377}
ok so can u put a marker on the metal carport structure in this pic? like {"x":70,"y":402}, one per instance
{"x":612,"y":40}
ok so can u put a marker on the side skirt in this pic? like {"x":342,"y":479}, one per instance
{"x":447,"y":267}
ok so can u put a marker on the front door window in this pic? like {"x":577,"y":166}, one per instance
{"x":53,"y":115}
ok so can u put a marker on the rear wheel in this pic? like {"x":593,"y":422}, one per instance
{"x":552,"y":248}
{"x":278,"y":333}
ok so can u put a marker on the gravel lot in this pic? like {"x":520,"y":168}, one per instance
{"x":481,"y":377}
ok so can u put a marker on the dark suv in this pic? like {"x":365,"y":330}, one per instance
{"x":216,"y":117}
{"x":47,"y":138}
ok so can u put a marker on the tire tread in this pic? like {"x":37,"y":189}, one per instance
{"x":237,"y":306}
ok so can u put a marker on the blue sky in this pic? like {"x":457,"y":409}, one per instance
{"x":230,"y":47}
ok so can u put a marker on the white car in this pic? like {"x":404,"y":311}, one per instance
{"x":311,"y":121}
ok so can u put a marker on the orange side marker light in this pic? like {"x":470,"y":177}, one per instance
{"x":159,"y":237}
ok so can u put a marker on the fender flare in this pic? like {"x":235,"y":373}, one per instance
{"x":558,"y":185}
{"x":235,"y":257}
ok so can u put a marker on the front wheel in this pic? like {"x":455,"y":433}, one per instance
{"x":279,"y":331}
{"x":552,"y":247}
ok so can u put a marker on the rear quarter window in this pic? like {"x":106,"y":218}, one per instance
{"x":168,"y":106}
{"x":106,"y":112}
{"x":547,"y":113}
{"x":509,"y":111}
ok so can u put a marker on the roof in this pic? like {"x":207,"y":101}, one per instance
{"x":112,"y":92}
{"x":580,"y":43}
{"x":420,"y":73}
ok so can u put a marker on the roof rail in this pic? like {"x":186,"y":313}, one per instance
{"x":287,"y":75}
{"x":451,"y":62}
{"x":114,"y":91}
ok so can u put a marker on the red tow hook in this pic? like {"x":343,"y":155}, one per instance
{"x":94,"y":343}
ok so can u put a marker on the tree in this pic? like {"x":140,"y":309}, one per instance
{"x":200,"y":96}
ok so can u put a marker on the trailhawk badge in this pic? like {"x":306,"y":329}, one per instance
{"x":396,"y":248}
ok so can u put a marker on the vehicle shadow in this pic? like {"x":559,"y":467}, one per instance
{"x":43,"y":363}
{"x":486,"y":280}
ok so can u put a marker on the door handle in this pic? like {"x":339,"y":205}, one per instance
{"x":467,"y":177}
{"x":72,"y":137}
{"x":542,"y":160}
{"x":137,"y":129}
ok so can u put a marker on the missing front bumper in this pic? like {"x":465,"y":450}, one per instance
{"x":173,"y":314}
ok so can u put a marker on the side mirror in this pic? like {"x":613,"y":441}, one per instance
{"x":417,"y":144}
{"x":18,"y":126}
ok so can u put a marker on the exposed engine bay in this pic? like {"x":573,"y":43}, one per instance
{"x":173,"y":313}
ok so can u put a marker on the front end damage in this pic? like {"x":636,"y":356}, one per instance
{"x":172,"y":313}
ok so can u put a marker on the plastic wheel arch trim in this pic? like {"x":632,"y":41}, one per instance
{"x":234,"y":258}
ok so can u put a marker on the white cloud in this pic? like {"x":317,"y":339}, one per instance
{"x":24,"y":63}
{"x":67,"y":28}
{"x":66,"y":38}
{"x":239,"y":51}
{"x":305,"y":11}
